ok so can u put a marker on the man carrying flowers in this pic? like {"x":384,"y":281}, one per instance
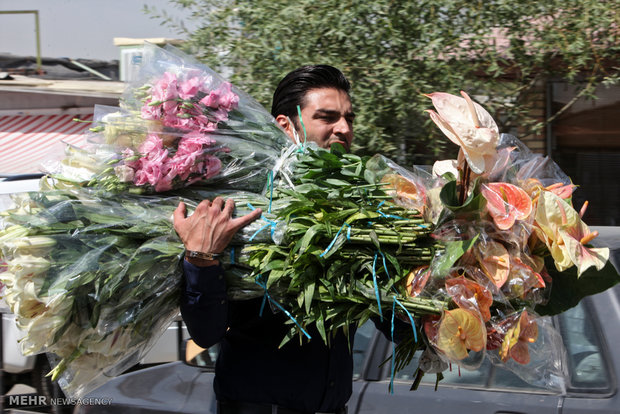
{"x":254,"y":374}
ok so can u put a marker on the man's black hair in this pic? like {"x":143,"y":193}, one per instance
{"x":292,"y":90}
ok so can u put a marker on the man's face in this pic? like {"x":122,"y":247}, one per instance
{"x":328,"y":116}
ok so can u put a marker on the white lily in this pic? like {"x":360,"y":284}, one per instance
{"x":28,"y":266}
{"x":31,"y":245}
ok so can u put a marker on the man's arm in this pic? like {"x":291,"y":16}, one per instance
{"x":204,"y":305}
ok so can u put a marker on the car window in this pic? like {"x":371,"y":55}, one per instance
{"x":361,"y":345}
{"x":586,"y":359}
{"x":453,"y":375}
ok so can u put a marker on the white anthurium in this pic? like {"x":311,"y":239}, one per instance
{"x":445,"y":166}
{"x":468,"y":125}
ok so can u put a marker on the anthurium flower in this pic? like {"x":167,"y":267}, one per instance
{"x":522,"y":278}
{"x":468,"y":294}
{"x":460,"y":330}
{"x":406,"y":192}
{"x":566,"y":235}
{"x":445,"y":166}
{"x":416,"y":280}
{"x":517,"y":339}
{"x":468,"y":125}
{"x":494,"y":260}
{"x":533,"y":186}
{"x":506,"y":203}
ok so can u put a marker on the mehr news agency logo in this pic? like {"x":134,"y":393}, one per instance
{"x":33,"y":400}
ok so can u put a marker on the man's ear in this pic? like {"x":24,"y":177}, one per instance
{"x":286,"y":125}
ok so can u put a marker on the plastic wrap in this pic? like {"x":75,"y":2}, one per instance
{"x":179,"y":124}
{"x":95,"y":280}
{"x":93,"y":273}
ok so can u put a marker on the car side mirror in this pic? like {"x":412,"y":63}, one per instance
{"x":197,"y":356}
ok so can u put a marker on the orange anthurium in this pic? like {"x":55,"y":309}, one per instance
{"x":494,"y":261}
{"x":468,"y":294}
{"x":534,"y":187}
{"x":416,"y":280}
{"x":522,"y":278}
{"x":460,"y":330}
{"x":506,"y":203}
{"x":405,"y":192}
{"x":566,"y":235}
{"x":468,"y":125}
{"x":564,"y":191}
{"x":517,"y":339}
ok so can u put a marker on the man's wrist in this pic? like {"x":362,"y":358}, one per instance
{"x":196,"y":261}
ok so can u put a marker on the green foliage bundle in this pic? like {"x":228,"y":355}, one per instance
{"x":393,"y":52}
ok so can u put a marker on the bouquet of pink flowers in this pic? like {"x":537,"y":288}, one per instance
{"x":179,"y":124}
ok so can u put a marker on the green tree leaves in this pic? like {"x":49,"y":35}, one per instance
{"x":393,"y":52}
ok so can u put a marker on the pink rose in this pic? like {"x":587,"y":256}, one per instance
{"x":189,"y":88}
{"x":211,"y":100}
{"x":150,"y":111}
{"x":228,"y":99}
{"x":169,"y":172}
{"x":165,"y":88}
{"x":184,"y":163}
{"x":194,"y":142}
{"x":213,"y":165}
{"x":151,"y":143}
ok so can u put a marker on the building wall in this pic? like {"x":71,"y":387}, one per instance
{"x":15,"y":101}
{"x":536,"y":101}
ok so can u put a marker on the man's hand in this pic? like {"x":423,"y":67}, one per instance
{"x":210,"y":228}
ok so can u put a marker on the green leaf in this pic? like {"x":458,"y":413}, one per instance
{"x":474,"y":203}
{"x":375,"y":239}
{"x":454,"y":250}
{"x":307,"y":238}
{"x":567,"y":289}
{"x":338,"y":183}
{"x":308,"y":295}
{"x":362,"y":215}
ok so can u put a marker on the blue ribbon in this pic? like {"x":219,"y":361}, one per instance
{"x":274,"y":302}
{"x":336,"y":237}
{"x":388,"y":215}
{"x":415,"y":334}
{"x":393,"y":348}
{"x":271,"y":223}
{"x":415,"y":337}
{"x":303,"y":127}
{"x":374,"y":280}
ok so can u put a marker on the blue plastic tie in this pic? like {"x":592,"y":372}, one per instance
{"x":303,"y":127}
{"x":271,"y":223}
{"x":274,"y":302}
{"x":415,"y":333}
{"x":232,"y":255}
{"x":415,"y":336}
{"x":384,"y":264}
{"x":388,"y":215}
{"x":374,"y":279}
{"x":336,"y":237}
{"x":393,"y":349}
